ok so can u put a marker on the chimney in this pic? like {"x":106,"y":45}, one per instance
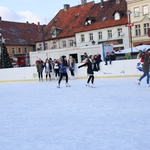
{"x":0,"y":19}
{"x":83,"y":2}
{"x":39,"y":28}
{"x":27,"y":25}
{"x":102,"y":3}
{"x":66,"y":6}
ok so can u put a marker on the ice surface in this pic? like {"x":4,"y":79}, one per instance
{"x":39,"y":116}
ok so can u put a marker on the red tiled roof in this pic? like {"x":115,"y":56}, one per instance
{"x":16,"y":33}
{"x":73,"y":20}
{"x":68,"y":20}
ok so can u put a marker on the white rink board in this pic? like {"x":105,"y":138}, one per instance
{"x":119,"y":68}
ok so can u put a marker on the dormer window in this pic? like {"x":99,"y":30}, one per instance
{"x":117,"y":16}
{"x":104,"y":18}
{"x":89,"y":20}
{"x":55,"y":31}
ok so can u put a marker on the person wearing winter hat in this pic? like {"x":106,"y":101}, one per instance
{"x":63,"y":71}
{"x":107,"y":58}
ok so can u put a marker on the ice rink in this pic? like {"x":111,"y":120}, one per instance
{"x":39,"y":116}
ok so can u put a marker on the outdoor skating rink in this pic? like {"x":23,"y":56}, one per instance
{"x":39,"y":116}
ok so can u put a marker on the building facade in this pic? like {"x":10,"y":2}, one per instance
{"x":140,"y":18}
{"x":88,"y":24}
{"x":19,"y":37}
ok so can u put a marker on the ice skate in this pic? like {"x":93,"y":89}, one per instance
{"x":137,"y":82}
{"x":92,"y":86}
{"x":88,"y":85}
{"x":68,"y":85}
{"x":148,"y":86}
{"x":58,"y":86}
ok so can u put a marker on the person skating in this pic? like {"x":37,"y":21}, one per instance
{"x":90,"y":63}
{"x":146,"y":68}
{"x":63,"y":71}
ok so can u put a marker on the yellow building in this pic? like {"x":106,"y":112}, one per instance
{"x":139,"y":17}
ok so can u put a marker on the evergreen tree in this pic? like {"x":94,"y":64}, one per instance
{"x":5,"y":61}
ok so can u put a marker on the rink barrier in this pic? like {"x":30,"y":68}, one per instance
{"x":119,"y":68}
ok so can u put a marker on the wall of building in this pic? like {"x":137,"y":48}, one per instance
{"x":124,"y":68}
{"x":124,"y":37}
{"x":139,"y":19}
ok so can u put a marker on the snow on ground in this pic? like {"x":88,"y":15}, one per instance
{"x":38,"y":116}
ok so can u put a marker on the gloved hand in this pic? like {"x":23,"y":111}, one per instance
{"x":79,"y":67}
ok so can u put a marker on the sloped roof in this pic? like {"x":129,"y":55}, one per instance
{"x":107,"y":12}
{"x":68,"y":20}
{"x":16,"y":33}
{"x":73,"y":20}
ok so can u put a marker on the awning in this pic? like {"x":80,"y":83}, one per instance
{"x":141,"y":43}
{"x":134,"y":49}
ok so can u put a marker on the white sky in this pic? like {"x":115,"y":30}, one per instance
{"x":38,"y":116}
{"x":33,"y":11}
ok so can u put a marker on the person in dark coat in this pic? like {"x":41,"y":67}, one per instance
{"x":40,"y":66}
{"x":146,"y":67}
{"x":56,"y":66}
{"x":90,"y":70}
{"x":112,"y":56}
{"x":98,"y":59}
{"x":84,"y":57}
{"x":63,"y":71}
{"x":107,"y":58}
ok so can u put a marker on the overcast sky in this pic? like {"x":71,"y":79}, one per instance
{"x":33,"y":11}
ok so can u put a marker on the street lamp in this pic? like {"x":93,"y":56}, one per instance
{"x":130,"y":28}
{"x":0,"y":42}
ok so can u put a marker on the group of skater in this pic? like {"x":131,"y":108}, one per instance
{"x":61,"y":65}
{"x":92,"y":62}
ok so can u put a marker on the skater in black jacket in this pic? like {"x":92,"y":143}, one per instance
{"x":91,"y":67}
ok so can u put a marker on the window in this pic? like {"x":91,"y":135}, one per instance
{"x":40,"y":46}
{"x":70,"y":43}
{"x":91,"y":36}
{"x":136,"y":12}
{"x":109,"y":33}
{"x":63,"y":44}
{"x":54,"y":45}
{"x":120,"y":32}
{"x":117,"y":16}
{"x":100,"y":35}
{"x":145,"y":10}
{"x":25,"y":50}
{"x":82,"y":38}
{"x":146,"y":26}
{"x":13,"y":50}
{"x":19,"y":50}
{"x":46,"y":46}
{"x":137,"y":30}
